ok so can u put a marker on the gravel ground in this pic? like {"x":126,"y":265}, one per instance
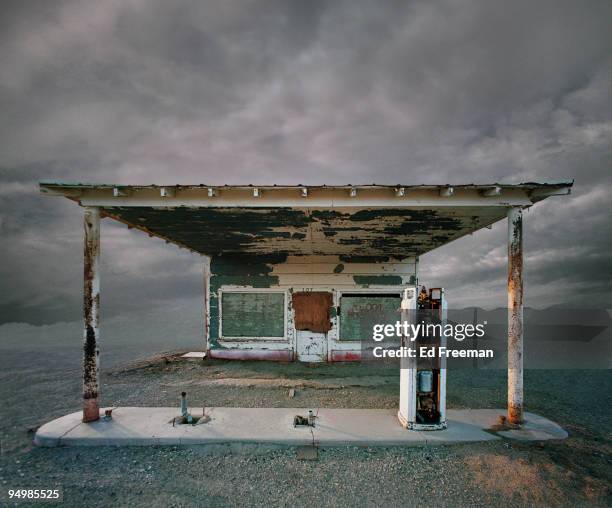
{"x":574,"y":472}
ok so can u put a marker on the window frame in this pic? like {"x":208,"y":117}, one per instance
{"x":252,"y":337}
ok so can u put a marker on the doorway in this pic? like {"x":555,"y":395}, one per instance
{"x":312,"y":323}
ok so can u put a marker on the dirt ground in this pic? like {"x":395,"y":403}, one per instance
{"x":573,"y":472}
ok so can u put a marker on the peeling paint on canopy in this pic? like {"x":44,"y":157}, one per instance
{"x":371,"y":221}
{"x":372,"y":232}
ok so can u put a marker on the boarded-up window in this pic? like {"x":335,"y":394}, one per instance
{"x":311,"y":311}
{"x":252,"y":314}
{"x":359,"y":312}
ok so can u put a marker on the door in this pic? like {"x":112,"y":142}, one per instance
{"x":311,"y":346}
{"x":312,"y":322}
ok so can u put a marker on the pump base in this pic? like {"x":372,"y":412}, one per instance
{"x":420,"y":426}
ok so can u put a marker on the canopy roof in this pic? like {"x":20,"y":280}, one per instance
{"x":365,"y":220}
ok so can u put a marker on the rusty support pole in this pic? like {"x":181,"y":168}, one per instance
{"x":91,"y":306}
{"x":515,"y":315}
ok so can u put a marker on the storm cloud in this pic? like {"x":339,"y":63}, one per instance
{"x":292,"y":92}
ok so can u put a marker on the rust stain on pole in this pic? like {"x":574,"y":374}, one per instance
{"x":515,"y":315}
{"x":91,"y":306}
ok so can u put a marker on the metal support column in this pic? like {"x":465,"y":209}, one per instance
{"x":91,"y":306}
{"x":408,"y":366}
{"x":206,"y":310}
{"x":515,"y":315}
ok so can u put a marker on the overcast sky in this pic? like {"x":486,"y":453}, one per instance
{"x":310,"y":92}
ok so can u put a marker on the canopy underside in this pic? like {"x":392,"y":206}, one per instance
{"x":366,"y":220}
{"x":389,"y":232}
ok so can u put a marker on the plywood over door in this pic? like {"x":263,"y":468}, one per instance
{"x":312,"y":311}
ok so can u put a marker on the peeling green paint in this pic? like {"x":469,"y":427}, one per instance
{"x":256,"y":281}
{"x":245,"y":264}
{"x":385,"y":232}
{"x":351,"y":241}
{"x":379,"y":280}
{"x":327,"y":215}
{"x":364,"y":259}
{"x":217,"y":230}
{"x":405,"y":223}
{"x":238,"y":270}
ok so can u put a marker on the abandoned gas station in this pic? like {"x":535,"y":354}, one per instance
{"x":287,"y":268}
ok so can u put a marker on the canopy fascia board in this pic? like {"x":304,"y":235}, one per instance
{"x":521,"y":195}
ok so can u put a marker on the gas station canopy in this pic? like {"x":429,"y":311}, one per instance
{"x":369,"y":220}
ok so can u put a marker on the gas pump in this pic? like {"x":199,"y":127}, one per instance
{"x":423,"y":380}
